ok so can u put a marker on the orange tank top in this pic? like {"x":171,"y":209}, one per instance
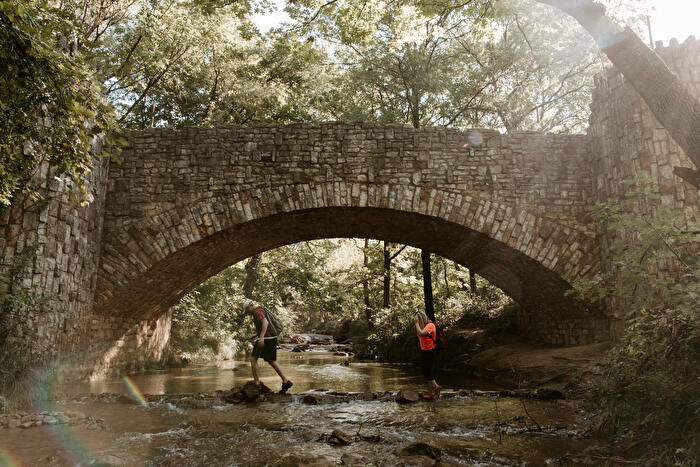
{"x":427,"y":342}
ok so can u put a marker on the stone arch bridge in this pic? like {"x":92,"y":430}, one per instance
{"x":185,"y":204}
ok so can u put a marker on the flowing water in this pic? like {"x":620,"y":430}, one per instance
{"x":468,"y":429}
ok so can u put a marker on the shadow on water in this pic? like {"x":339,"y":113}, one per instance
{"x":468,"y":429}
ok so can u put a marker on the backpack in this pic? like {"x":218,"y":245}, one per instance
{"x":274,"y":324}
{"x":441,"y":341}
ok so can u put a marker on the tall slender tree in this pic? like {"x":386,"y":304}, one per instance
{"x":427,"y":285}
{"x":252,"y":268}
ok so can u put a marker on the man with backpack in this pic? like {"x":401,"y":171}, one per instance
{"x":267,"y":328}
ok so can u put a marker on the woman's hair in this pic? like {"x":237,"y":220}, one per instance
{"x":422,"y":318}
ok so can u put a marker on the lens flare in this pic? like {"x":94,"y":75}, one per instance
{"x":8,"y":458}
{"x":475,"y":138}
{"x":135,"y":392}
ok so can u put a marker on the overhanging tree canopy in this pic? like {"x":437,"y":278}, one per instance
{"x":670,"y":102}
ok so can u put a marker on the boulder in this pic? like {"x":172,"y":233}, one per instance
{"x":406,"y":396}
{"x":310,"y":399}
{"x":250,"y":392}
{"x":339,"y":438}
{"x":301,"y":348}
{"x":419,"y":449}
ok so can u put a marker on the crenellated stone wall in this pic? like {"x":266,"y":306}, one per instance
{"x":627,"y":140}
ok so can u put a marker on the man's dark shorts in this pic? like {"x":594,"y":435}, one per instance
{"x":267,"y":352}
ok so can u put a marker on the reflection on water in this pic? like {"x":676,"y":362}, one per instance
{"x":308,"y":370}
{"x":468,"y":430}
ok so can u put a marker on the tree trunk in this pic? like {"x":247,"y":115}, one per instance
{"x":447,"y":283}
{"x":387,"y":277}
{"x":427,"y":285}
{"x":252,"y":267}
{"x":365,"y":285}
{"x":668,"y":99}
{"x":472,"y":282}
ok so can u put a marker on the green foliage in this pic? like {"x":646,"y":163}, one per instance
{"x":514,"y":65}
{"x":317,"y":287}
{"x":51,"y":107}
{"x":180,"y":63}
{"x":207,"y":322}
{"x":650,"y":397}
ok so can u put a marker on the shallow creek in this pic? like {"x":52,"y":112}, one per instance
{"x":468,"y":428}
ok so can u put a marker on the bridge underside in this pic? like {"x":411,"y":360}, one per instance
{"x":549,"y":314}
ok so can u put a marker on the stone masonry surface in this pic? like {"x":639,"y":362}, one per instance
{"x":627,"y":140}
{"x":185,"y":204}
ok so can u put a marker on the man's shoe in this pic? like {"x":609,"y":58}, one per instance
{"x":286,"y":386}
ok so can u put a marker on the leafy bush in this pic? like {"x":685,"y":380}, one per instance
{"x":650,"y":397}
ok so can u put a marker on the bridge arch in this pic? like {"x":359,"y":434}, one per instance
{"x":150,"y":262}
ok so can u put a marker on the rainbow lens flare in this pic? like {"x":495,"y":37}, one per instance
{"x":135,"y":392}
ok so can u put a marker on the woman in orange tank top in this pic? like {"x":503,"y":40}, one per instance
{"x":427,"y":335}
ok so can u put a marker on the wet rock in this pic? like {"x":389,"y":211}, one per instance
{"x":277,"y":398}
{"x":406,"y":396}
{"x":293,"y":339}
{"x":339,"y":438}
{"x":293,"y":460}
{"x":370,"y":438}
{"x":353,"y":459}
{"x":26,"y":425}
{"x":122,"y":399}
{"x":250,"y":392}
{"x":419,"y":449}
{"x":368,"y":396}
{"x":410,"y":461}
{"x":301,"y":348}
{"x":319,"y":339}
{"x":49,"y":420}
{"x":195,"y":403}
{"x":310,"y":399}
{"x":75,"y":415}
